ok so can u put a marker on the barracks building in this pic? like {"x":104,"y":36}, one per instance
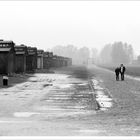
{"x":20,"y":59}
{"x":7,"y":57}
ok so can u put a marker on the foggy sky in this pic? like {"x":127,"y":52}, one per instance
{"x":46,"y":24}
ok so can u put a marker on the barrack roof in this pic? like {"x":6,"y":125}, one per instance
{"x":6,"y":41}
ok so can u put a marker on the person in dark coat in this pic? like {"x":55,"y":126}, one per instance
{"x":117,"y":72}
{"x":122,"y":71}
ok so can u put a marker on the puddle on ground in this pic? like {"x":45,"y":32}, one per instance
{"x":98,"y":87}
{"x":53,"y":113}
{"x":76,"y":107}
{"x":99,"y":92}
{"x":95,"y":82}
{"x":16,"y":121}
{"x":69,"y":110}
{"x":25,"y":114}
{"x":61,"y":86}
{"x":57,"y":98}
{"x":58,"y":95}
{"x":49,"y":108}
{"x":104,"y":101}
{"x":75,"y":113}
{"x":104,"y":104}
{"x":82,"y":84}
{"x":90,"y":131}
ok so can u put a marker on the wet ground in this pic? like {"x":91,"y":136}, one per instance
{"x":72,"y":101}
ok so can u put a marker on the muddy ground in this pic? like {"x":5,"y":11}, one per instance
{"x":72,"y":101}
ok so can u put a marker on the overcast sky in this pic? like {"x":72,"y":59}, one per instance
{"x":45,"y":24}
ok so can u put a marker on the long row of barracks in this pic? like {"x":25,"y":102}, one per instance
{"x":21,"y":59}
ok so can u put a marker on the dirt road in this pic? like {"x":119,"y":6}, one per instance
{"x":73,"y":101}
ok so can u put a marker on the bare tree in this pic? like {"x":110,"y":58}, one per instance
{"x":94,"y":55}
{"x":122,"y":53}
{"x":105,"y":54}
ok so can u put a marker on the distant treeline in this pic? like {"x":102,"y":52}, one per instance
{"x":111,"y":54}
{"x":78,"y":55}
{"x":117,"y":53}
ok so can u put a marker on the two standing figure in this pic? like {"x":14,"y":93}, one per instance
{"x":120,"y":70}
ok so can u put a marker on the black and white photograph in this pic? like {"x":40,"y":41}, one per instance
{"x":69,"y":69}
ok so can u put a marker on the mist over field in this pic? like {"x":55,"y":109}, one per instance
{"x":110,"y":54}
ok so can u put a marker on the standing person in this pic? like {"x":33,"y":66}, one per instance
{"x":117,"y":72}
{"x":122,"y":71}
